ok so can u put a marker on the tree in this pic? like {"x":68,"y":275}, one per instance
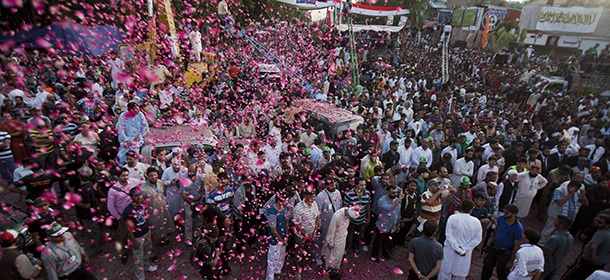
{"x":506,"y":33}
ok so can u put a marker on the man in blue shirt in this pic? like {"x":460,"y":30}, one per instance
{"x":137,"y":222}
{"x":278,"y":225}
{"x":501,"y":255}
{"x":389,"y":215}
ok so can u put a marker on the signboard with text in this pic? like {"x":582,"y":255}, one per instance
{"x":570,"y":20}
{"x":470,"y":17}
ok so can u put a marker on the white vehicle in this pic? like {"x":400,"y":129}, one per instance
{"x":183,"y":136}
{"x":555,"y":84}
{"x":268,"y":70}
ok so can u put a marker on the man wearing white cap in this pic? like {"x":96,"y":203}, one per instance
{"x":15,"y":264}
{"x":507,"y":191}
{"x":177,"y":170}
{"x":336,"y":237}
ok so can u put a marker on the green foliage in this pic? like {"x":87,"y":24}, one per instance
{"x":503,"y":37}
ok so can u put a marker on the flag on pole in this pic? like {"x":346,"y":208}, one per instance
{"x":484,"y":40}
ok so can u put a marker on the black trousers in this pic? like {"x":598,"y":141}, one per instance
{"x":368,"y":231}
{"x":245,"y":233}
{"x":497,"y":259}
{"x":80,"y":273}
{"x":399,"y":237}
{"x":580,"y":269}
{"x":382,"y":243}
{"x":207,"y":272}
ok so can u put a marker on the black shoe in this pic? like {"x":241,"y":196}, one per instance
{"x":377,"y":260}
{"x":154,"y":259}
{"x":124,"y":258}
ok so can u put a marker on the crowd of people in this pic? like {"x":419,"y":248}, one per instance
{"x":442,"y":168}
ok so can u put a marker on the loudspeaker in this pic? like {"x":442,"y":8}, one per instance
{"x":460,"y":44}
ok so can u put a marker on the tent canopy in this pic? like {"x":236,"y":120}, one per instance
{"x":69,"y":38}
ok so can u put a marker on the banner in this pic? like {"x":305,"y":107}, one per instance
{"x":367,"y":10}
{"x":456,"y":19}
{"x":470,"y":17}
{"x":569,"y":20}
{"x":444,"y":17}
{"x":390,"y":20}
{"x":484,"y":40}
{"x":403,"y":21}
{"x":358,"y":9}
{"x":495,"y":16}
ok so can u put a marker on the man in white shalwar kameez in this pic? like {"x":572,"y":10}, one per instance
{"x":463,"y":233}
{"x":334,"y":245}
{"x":529,"y":184}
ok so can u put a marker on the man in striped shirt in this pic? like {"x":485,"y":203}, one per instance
{"x":306,"y":217}
{"x":360,"y":196}
{"x":44,"y":140}
{"x":222,"y":195}
{"x":432,"y":202}
{"x":7,"y":164}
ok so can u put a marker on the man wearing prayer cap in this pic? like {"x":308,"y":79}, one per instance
{"x":336,"y":237}
{"x":507,"y":190}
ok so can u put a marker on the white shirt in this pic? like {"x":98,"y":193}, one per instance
{"x":452,"y":152}
{"x":598,"y":153}
{"x":169,"y":174}
{"x":464,"y":233}
{"x":529,"y":258}
{"x":405,"y":155}
{"x":461,"y":168}
{"x":420,"y":152}
{"x":273,"y":153}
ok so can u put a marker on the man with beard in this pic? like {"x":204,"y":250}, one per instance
{"x":153,"y":195}
{"x":245,"y":210}
{"x":408,"y":212}
{"x":387,"y":223}
{"x":193,"y":199}
{"x":329,"y":201}
{"x":118,"y":199}
{"x":529,"y":184}
{"x":63,"y":257}
{"x":422,"y":151}
{"x":378,"y":184}
{"x":508,"y":238}
{"x":86,"y":210}
{"x":595,"y":254}
{"x":306,"y":217}
{"x":361,"y":197}
{"x":278,"y":230}
{"x":391,"y":157}
{"x":131,"y":127}
{"x":137,"y":222}
{"x":463,"y":167}
{"x":334,"y":244}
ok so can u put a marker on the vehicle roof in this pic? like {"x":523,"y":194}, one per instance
{"x":181,"y":135}
{"x":326,"y":110}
